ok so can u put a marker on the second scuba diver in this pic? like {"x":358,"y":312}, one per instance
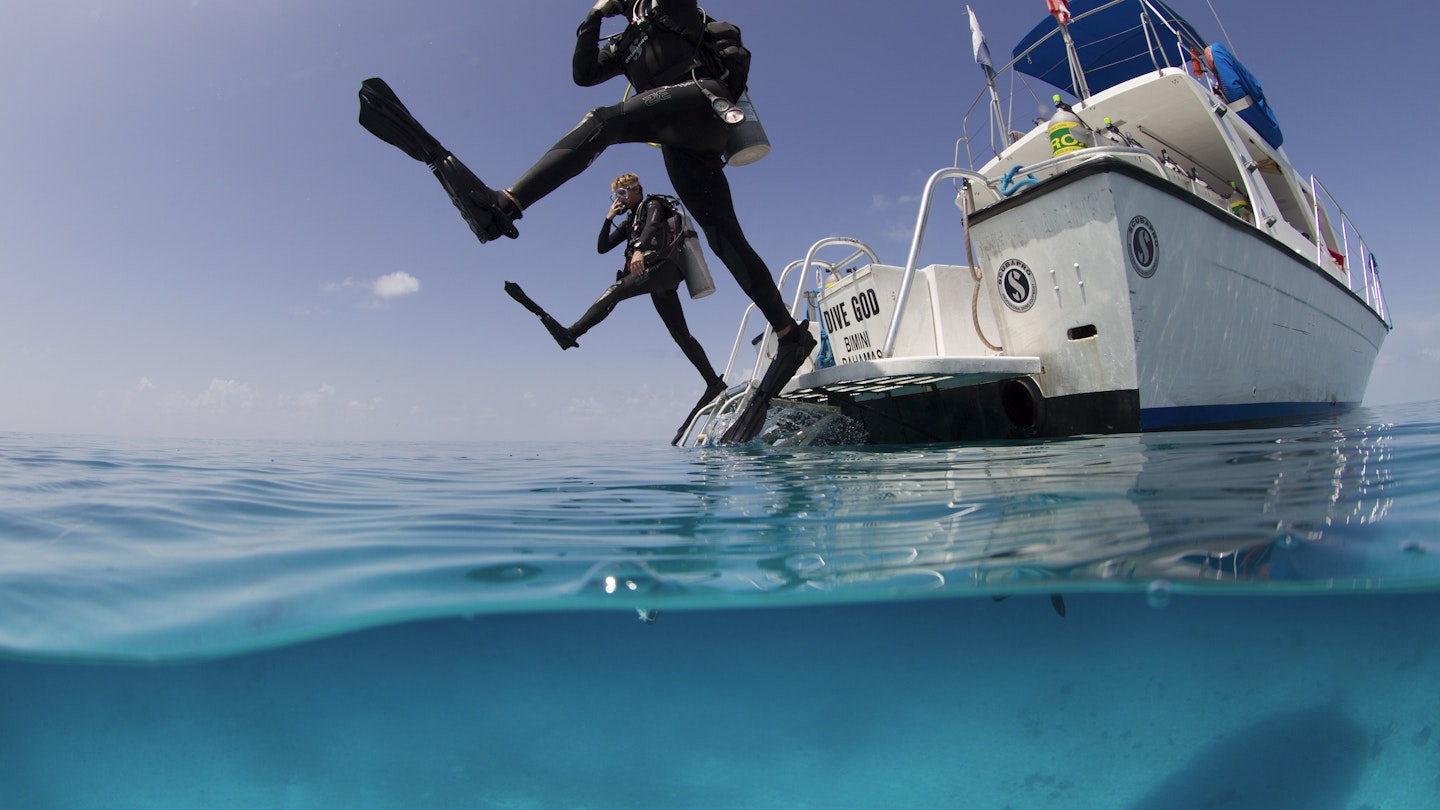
{"x":651,"y":266}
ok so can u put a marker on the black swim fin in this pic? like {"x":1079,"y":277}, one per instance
{"x":489,"y":214}
{"x":561,"y":334}
{"x":713,"y":390}
{"x":387,"y":119}
{"x":1057,"y":601}
{"x":794,"y":349}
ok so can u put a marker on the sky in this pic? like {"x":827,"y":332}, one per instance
{"x":197,"y":239}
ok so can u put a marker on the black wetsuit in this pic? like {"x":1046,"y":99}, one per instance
{"x":661,"y":279}
{"x":672,"y":111}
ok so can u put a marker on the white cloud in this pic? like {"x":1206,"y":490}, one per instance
{"x":880,"y":202}
{"x":381,"y":290}
{"x":219,"y":397}
{"x":139,"y":393}
{"x":225,"y":393}
{"x":583,"y":410}
{"x":395,"y":285}
{"x":313,"y":399}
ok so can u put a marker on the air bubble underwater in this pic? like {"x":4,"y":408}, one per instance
{"x":1159,"y":593}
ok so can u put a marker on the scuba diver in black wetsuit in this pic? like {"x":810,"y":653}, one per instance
{"x":659,"y":52}
{"x":651,"y":266}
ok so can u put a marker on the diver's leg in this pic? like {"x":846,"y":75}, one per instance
{"x":626,"y":288}
{"x":666,"y":115}
{"x":667,"y":305}
{"x":699,"y":180}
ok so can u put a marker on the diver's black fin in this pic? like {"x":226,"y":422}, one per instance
{"x":514,"y":291}
{"x":561,"y":334}
{"x":713,"y":390}
{"x":749,"y":423}
{"x":387,"y":119}
{"x":789,"y":356}
{"x":1057,"y":601}
{"x":489,"y":214}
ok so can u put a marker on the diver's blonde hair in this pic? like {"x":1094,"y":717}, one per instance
{"x":624,"y":180}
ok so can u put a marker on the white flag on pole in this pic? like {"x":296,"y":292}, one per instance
{"x":977,"y":39}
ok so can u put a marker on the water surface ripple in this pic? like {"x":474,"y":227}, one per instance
{"x":158,"y":550}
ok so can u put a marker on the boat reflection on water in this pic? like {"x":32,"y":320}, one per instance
{"x":1301,"y":508}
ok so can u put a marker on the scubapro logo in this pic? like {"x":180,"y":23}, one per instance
{"x":1017,"y":285}
{"x":636,"y":48}
{"x":1144,"y":253}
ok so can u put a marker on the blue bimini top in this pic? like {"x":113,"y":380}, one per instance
{"x":1109,"y":39}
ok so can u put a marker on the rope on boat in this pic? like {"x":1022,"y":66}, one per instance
{"x":1009,"y":185}
{"x":974,"y":269}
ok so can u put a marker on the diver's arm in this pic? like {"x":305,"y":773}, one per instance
{"x":592,"y":64}
{"x":610,"y":237}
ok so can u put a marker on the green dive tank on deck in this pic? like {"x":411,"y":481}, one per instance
{"x":1067,"y":132}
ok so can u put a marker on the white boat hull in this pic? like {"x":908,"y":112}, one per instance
{"x":1145,"y":307}
{"x":1214,"y":322}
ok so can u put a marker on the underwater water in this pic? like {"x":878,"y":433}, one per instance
{"x":1231,"y":619}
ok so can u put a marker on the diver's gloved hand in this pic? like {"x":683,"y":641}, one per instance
{"x":609,"y":8}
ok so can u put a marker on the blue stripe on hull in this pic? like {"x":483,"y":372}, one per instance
{"x":1211,"y":415}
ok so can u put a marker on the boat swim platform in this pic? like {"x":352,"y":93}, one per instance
{"x":872,"y":379}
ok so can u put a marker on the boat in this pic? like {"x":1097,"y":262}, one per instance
{"x":1146,"y":259}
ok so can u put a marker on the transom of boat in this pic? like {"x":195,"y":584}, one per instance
{"x":870,"y":379}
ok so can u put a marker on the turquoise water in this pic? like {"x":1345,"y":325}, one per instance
{"x":1226,"y":619}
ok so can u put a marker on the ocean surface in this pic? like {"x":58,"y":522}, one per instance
{"x":1228,"y":619}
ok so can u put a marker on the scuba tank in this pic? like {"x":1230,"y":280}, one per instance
{"x":1120,"y":138}
{"x":692,"y":261}
{"x":1067,"y":132}
{"x":748,"y":142}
